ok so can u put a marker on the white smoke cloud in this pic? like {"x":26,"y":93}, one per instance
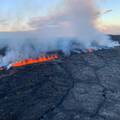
{"x":71,"y":27}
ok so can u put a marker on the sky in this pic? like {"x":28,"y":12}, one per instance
{"x":111,"y":21}
{"x":114,"y":16}
{"x":14,"y":14}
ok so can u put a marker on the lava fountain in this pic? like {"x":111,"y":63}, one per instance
{"x":30,"y":61}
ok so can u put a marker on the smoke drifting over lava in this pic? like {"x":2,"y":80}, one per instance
{"x":71,"y":27}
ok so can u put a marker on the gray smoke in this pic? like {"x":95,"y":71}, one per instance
{"x":71,"y":27}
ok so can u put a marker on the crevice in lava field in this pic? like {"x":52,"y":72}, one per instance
{"x":79,"y":86}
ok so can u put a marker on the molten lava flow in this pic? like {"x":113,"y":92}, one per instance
{"x":30,"y":61}
{"x":33,"y":61}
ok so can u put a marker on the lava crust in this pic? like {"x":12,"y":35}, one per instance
{"x":82,"y":86}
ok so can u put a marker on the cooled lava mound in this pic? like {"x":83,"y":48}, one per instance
{"x":82,"y":86}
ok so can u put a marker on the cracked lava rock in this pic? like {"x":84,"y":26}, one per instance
{"x":82,"y":86}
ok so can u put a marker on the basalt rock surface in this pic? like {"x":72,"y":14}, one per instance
{"x":82,"y":86}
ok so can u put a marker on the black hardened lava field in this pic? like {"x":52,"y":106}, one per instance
{"x":83,"y":86}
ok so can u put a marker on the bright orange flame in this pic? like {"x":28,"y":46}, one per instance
{"x":33,"y":61}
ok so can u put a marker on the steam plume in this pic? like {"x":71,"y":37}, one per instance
{"x":71,"y":27}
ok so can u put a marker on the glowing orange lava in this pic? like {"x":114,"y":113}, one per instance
{"x":33,"y":61}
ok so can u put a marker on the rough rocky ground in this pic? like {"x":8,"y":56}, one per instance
{"x":78,"y":87}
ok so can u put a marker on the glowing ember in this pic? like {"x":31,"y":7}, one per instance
{"x":33,"y":61}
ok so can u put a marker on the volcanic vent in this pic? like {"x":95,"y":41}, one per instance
{"x":30,"y":61}
{"x":60,"y":87}
{"x":71,"y":27}
{"x":81,"y":86}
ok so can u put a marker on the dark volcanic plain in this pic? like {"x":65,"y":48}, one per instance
{"x":82,"y":86}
